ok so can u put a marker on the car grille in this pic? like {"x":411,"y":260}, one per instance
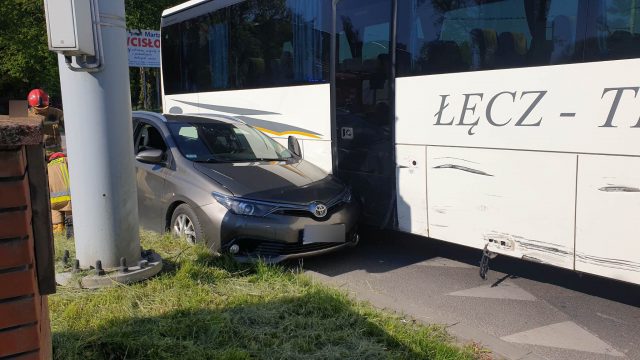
{"x":308,"y":214}
{"x":334,"y":205}
{"x":274,"y":249}
{"x":271,"y":249}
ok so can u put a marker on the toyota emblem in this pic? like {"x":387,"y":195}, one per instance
{"x":319,"y":210}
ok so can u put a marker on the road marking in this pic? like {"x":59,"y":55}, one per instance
{"x":506,"y":290}
{"x":565,"y":335}
{"x":444,"y":262}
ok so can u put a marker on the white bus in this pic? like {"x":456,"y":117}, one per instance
{"x":506,"y":124}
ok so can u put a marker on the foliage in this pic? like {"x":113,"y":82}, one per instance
{"x":25,"y":60}
{"x":146,"y":14}
{"x":206,"y":307}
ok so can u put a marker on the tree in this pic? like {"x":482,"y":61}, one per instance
{"x":146,"y":14}
{"x":25,"y":60}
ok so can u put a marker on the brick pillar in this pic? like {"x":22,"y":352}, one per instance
{"x":26,"y":257}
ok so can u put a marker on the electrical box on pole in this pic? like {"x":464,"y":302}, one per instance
{"x":70,"y":27}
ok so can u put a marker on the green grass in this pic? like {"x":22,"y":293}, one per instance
{"x":205,"y":307}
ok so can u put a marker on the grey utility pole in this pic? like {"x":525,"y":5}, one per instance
{"x":90,"y":37}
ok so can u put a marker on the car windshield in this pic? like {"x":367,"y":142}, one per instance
{"x":225,"y":142}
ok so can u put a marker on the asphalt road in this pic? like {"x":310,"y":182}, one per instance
{"x":522,"y":311}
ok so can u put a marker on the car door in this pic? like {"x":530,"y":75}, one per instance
{"x":150,"y":178}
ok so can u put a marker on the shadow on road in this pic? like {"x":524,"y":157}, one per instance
{"x":382,"y":251}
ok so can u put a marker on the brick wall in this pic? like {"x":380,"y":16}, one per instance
{"x":24,"y":323}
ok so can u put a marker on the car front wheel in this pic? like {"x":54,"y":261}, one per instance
{"x":185,"y":224}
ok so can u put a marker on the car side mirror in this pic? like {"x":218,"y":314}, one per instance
{"x":294,"y":147}
{"x":150,"y":156}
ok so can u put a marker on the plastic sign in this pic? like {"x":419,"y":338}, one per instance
{"x":347,"y":133}
{"x":144,"y":48}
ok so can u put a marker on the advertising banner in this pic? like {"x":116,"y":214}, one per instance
{"x":144,"y":48}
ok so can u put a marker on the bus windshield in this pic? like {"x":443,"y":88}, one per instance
{"x":219,"y":142}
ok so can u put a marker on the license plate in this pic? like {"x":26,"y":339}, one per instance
{"x":324,"y":234}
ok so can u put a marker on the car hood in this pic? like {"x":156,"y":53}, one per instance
{"x":298,"y":183}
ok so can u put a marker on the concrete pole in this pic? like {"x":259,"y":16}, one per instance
{"x":97,"y":111}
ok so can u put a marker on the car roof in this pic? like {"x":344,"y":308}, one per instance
{"x":189,"y":118}
{"x":202,"y":118}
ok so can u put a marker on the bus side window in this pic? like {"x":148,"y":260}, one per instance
{"x":246,"y":46}
{"x":457,"y":36}
{"x":614,"y":30}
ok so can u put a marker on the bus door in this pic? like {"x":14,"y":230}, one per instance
{"x":362,"y":102}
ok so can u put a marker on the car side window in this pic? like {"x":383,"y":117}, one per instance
{"x":148,"y":137}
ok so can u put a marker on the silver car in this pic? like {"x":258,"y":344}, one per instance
{"x":215,"y":180}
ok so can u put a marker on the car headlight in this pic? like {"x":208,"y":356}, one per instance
{"x":241,"y":206}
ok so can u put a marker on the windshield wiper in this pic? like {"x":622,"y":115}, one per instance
{"x":230,"y":161}
{"x":213,"y":161}
{"x":269,"y":159}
